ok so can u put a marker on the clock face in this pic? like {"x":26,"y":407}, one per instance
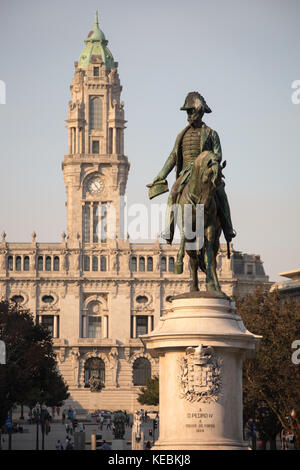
{"x":95,"y":185}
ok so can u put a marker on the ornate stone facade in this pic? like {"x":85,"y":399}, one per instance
{"x":96,"y":292}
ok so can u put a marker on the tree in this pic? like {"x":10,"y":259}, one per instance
{"x":271,"y":380}
{"x":150,"y":394}
{"x":30,"y":375}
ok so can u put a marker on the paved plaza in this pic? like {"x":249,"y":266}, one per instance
{"x":27,"y":439}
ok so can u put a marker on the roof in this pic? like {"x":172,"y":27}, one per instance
{"x":96,"y":46}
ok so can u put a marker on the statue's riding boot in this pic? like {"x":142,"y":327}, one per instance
{"x":168,"y":234}
{"x":224,"y":214}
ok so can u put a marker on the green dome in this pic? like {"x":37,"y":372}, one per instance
{"x":95,"y":44}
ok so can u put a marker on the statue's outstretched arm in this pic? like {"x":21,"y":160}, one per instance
{"x":168,"y":166}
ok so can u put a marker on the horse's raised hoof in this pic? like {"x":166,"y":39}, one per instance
{"x":178,"y":268}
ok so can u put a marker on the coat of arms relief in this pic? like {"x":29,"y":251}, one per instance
{"x":200,"y":375}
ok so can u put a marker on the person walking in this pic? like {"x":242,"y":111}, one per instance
{"x":69,"y":446}
{"x":81,"y":427}
{"x":59,"y":445}
{"x":148,"y":445}
{"x":108,"y":424}
{"x":101,"y":421}
{"x":284,"y":445}
{"x":105,"y":446}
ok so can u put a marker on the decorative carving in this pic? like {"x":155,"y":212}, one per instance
{"x":137,"y":425}
{"x":75,"y":366}
{"x":113,"y":364}
{"x":95,"y":384}
{"x":200,"y":375}
{"x":61,"y":354}
{"x":127,"y":354}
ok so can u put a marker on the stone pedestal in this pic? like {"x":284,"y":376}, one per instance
{"x":201,"y":343}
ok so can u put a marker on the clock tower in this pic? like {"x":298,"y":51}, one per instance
{"x":95,"y":168}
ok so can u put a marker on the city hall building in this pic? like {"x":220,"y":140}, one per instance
{"x":95,"y":292}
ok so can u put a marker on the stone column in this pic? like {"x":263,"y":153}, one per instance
{"x":91,"y":222}
{"x":114,"y":140}
{"x":134,"y":326}
{"x":69,"y":140}
{"x":201,"y":343}
{"x":105,"y":326}
{"x":55,"y":323}
{"x":149,"y":323}
{"x":84,"y":326}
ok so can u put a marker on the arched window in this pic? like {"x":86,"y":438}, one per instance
{"x":40,"y":263}
{"x":48,"y":263}
{"x":10,"y":263}
{"x":95,"y":263}
{"x":141,"y":371}
{"x":18,"y":263}
{"x":171,"y":264}
{"x":133,"y":263}
{"x":56,"y":263}
{"x":86,"y":263}
{"x":163,"y":264}
{"x":103,"y":266}
{"x":142,"y":264}
{"x":95,"y":112}
{"x":26,"y":263}
{"x":149,"y":263}
{"x":94,"y":367}
{"x":19,"y":299}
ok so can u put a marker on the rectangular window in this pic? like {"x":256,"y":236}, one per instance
{"x":86,"y":223}
{"x":141,"y":325}
{"x":95,"y":112}
{"x":96,"y":71}
{"x":96,"y":220}
{"x":95,"y":146}
{"x":250,"y":269}
{"x":86,"y":263}
{"x":110,"y":140}
{"x":48,"y":322}
{"x":119,"y":141}
{"x":94,"y":327}
{"x":26,"y":263}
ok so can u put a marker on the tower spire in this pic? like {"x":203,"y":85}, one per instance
{"x":96,"y":22}
{"x":96,"y":45}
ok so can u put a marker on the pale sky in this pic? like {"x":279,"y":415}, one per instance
{"x":241,"y":55}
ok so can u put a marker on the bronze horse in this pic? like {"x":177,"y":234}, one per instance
{"x":203,"y":178}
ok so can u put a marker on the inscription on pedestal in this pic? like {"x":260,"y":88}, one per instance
{"x":200,"y":421}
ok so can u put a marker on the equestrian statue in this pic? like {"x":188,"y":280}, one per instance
{"x":197,"y":156}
